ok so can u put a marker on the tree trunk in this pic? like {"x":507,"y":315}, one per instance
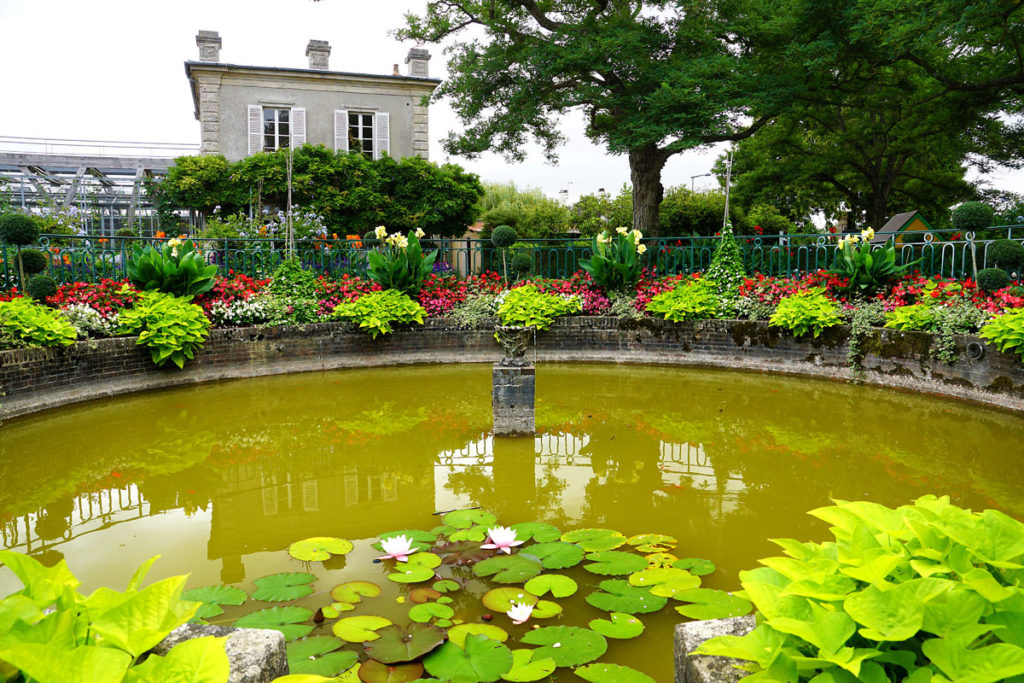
{"x":645,"y":166}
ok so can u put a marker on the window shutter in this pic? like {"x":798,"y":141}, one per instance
{"x":255,"y":128}
{"x":298,"y":119}
{"x":341,"y":130}
{"x":381,"y":135}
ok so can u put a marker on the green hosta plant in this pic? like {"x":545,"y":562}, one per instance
{"x":528,"y":307}
{"x":916,"y":317}
{"x":616,"y":264}
{"x":374,"y":312}
{"x":175,"y":268}
{"x":29,"y":324}
{"x":399,"y":263}
{"x":51,"y":632}
{"x":173,"y":328}
{"x":694,"y":300}
{"x":924,"y":593}
{"x":1006,"y":332}
{"x":867,"y":270}
{"x":807,"y":311}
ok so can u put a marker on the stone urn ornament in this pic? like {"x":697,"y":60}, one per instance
{"x":514,"y":339}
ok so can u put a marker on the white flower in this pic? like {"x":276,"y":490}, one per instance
{"x":379,"y":232}
{"x":641,"y":248}
{"x":519,"y":612}
{"x":603,"y":239}
{"x":622,"y":230}
{"x":637,"y":236}
{"x":420,"y":233}
{"x":502,"y":539}
{"x":397,"y":547}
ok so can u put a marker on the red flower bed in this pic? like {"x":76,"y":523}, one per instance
{"x":440,"y":293}
{"x":333,"y":292}
{"x":107,"y":297}
{"x":228,"y":290}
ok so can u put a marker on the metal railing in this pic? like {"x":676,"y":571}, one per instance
{"x":91,"y":258}
{"x":95,"y":148}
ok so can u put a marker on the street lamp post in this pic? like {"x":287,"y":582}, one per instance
{"x":693,"y":180}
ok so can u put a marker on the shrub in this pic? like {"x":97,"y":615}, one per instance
{"x":370,"y":240}
{"x":684,"y":212}
{"x":926,"y":592}
{"x":504,"y":237}
{"x":992,"y":279}
{"x":18,"y":229}
{"x":528,"y":307}
{"x":32,"y":261}
{"x":916,"y":317}
{"x":972,"y":216}
{"x":400,"y":264}
{"x":695,"y":300}
{"x":172,"y":328}
{"x":374,"y":312}
{"x":41,"y":287}
{"x":291,"y":280}
{"x":807,"y":311}
{"x":1006,"y":254}
{"x":1005,"y":331}
{"x":616,"y":264}
{"x":866,"y":269}
{"x":176,"y":269}
{"x":522,"y":263}
{"x":34,"y":325}
{"x":473,"y":310}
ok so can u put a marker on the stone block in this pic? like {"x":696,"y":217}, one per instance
{"x":512,"y":400}
{"x":702,"y":668}
{"x":256,"y":655}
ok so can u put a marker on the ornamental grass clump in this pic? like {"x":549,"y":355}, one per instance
{"x":399,"y":263}
{"x":807,"y":311}
{"x":172,"y":328}
{"x":694,"y":300}
{"x":616,"y":263}
{"x":528,"y":307}
{"x":924,"y":593}
{"x":374,"y":312}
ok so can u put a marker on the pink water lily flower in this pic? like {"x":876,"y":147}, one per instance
{"x":502,"y":539}
{"x":519,"y":612}
{"x":397,"y":548}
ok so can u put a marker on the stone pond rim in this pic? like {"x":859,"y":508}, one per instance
{"x":33,"y":380}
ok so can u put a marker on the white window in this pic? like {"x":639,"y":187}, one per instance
{"x":360,"y":133}
{"x":276,"y":129}
{"x":368,"y":134}
{"x":273,"y":128}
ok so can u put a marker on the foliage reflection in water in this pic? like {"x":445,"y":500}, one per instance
{"x":221,"y":479}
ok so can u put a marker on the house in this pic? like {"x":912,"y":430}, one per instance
{"x":900,"y":225}
{"x":247,"y":109}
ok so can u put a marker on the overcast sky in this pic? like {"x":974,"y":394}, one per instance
{"x":112,"y":70}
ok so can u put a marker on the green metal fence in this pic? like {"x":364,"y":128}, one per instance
{"x":89,"y":259}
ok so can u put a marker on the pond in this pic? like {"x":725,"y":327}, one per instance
{"x":219,"y":479}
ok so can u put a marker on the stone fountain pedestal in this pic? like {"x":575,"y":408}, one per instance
{"x":514,"y":382}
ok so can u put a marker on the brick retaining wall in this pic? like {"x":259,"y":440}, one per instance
{"x":37,"y":379}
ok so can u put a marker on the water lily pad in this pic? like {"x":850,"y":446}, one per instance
{"x":421,"y":595}
{"x":476,"y":534}
{"x":480,"y":659}
{"x":567,"y":645}
{"x":407,"y":572}
{"x":653,"y":577}
{"x":207,"y":610}
{"x":652,"y":543}
{"x":430,"y":610}
{"x":509,"y":568}
{"x":614,"y":562}
{"x":316,"y":655}
{"x":445,"y":600}
{"x":395,"y":644}
{"x":618,"y":625}
{"x":217,"y":595}
{"x":545,"y":609}
{"x":600,"y":672}
{"x":709,"y":603}
{"x":319,"y":548}
{"x":284,"y":586}
{"x":359,"y":629}
{"x":372,"y":671}
{"x":349,"y":676}
{"x":525,"y":667}
{"x":333,"y":610}
{"x":458,"y":634}
{"x":557,"y":555}
{"x":669,"y":589}
{"x":464,"y":519}
{"x":660,"y":560}
{"x":287,"y":620}
{"x":536,"y":531}
{"x":501,"y":599}
{"x":421,"y":540}
{"x":696,"y":565}
{"x":617,"y":595}
{"x":463,"y":553}
{"x":594,"y":540}
{"x":429,"y":560}
{"x":446,"y":586}
{"x":353,"y":592}
{"x":560,"y":586}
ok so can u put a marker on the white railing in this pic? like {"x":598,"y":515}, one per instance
{"x":99,"y":148}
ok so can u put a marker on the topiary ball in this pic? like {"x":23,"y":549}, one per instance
{"x":503,"y":236}
{"x":126,"y":232}
{"x":40,"y":287}
{"x":1017,"y":291}
{"x":993,"y":279}
{"x":972,"y":216}
{"x":18,"y":228}
{"x":33,"y":261}
{"x":521,"y":263}
{"x":1005,"y":254}
{"x":370,"y":240}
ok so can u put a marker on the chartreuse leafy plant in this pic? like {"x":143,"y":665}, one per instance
{"x":1006,"y":332}
{"x":915,"y":317}
{"x":30,"y":324}
{"x":693,"y":300}
{"x":51,"y":632}
{"x":375,"y":311}
{"x":174,"y":268}
{"x":805,"y":312}
{"x":399,"y":263}
{"x":526,"y":306}
{"x":616,"y":262}
{"x":173,"y":328}
{"x":927,"y":592}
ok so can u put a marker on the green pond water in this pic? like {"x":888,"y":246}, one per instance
{"x":220,"y":479}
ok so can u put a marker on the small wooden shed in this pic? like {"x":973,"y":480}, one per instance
{"x":902,"y":223}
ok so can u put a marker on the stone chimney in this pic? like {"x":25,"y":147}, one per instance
{"x":209,"y":46}
{"x":418,"y":60}
{"x":395,"y":71}
{"x":318,"y":51}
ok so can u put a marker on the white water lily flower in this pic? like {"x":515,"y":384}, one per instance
{"x":397,"y":548}
{"x":379,"y":232}
{"x":502,"y":539}
{"x":519,"y":612}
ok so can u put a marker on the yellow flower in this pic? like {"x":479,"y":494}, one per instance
{"x":637,"y":236}
{"x":641,"y":248}
{"x":174,"y":242}
{"x":603,"y":239}
{"x":420,"y":233}
{"x":621,"y":230}
{"x":380,"y":231}
{"x":867,"y":234}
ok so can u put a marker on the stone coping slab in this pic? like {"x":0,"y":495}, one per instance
{"x":704,"y":668}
